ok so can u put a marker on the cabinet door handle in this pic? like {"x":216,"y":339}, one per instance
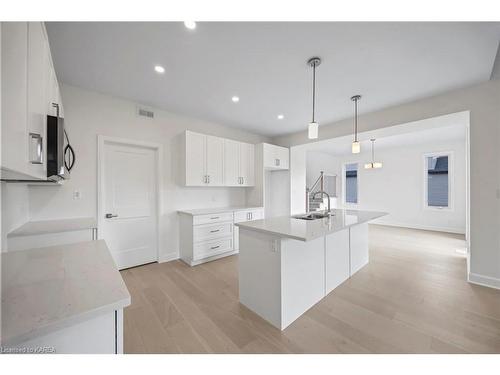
{"x":214,"y":231}
{"x":35,"y":146}
{"x":109,"y":216}
{"x":251,"y":215}
{"x":208,"y":177}
{"x":215,"y":247}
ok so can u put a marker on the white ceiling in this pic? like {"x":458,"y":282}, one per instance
{"x":265,"y":65}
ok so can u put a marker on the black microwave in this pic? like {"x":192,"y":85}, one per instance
{"x":60,"y":155}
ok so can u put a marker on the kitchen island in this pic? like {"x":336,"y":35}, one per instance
{"x":287,"y":264}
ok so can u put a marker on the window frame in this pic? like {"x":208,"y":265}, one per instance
{"x":451,"y":181}
{"x":344,"y":183}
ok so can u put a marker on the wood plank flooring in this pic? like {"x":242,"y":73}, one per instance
{"x":412,"y":297}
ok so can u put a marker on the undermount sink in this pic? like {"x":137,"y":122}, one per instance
{"x":313,"y":215}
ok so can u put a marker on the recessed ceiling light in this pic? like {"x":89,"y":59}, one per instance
{"x":159,"y":69}
{"x":235,"y":99}
{"x":281,"y":117}
{"x":191,"y":25}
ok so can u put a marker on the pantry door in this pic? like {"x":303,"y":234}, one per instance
{"x":129,"y":202}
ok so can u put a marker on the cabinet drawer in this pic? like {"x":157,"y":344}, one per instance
{"x":213,"y":218}
{"x":248,"y":215}
{"x":210,"y":231}
{"x":210,"y":248}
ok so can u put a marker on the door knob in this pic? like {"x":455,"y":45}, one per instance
{"x":109,"y":216}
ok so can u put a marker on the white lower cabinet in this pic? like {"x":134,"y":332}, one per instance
{"x":209,"y":236}
{"x":245,"y":215}
{"x":359,"y":247}
{"x":336,"y":259}
{"x":99,"y":335}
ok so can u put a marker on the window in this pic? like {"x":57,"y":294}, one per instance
{"x":351,"y":183}
{"x":437,"y":181}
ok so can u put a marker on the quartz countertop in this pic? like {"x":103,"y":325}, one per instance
{"x":47,"y":289}
{"x":206,"y":211}
{"x":32,"y":228}
{"x":306,"y":230}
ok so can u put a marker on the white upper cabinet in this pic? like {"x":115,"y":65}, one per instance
{"x":232,"y":175}
{"x":239,"y":164}
{"x":196,"y":151}
{"x":276,"y":157}
{"x":29,"y":87}
{"x":215,"y":161}
{"x":204,"y":156}
{"x":247,"y":164}
{"x":14,"y":96}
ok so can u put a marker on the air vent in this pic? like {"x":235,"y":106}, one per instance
{"x":145,"y":112}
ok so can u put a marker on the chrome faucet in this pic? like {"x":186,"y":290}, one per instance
{"x":323,"y":193}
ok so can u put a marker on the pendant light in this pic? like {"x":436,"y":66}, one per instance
{"x":356,"y":146}
{"x":373,"y":164}
{"x":312,"y":129}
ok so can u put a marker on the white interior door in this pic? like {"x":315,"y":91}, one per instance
{"x":129,"y":204}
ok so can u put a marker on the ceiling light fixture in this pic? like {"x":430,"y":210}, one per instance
{"x":281,"y":117}
{"x":373,"y":164}
{"x":191,"y":25}
{"x":159,"y":69}
{"x":235,"y":99}
{"x":356,"y":147}
{"x":312,"y":129}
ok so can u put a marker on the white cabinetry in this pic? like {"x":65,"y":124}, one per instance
{"x":276,"y":157}
{"x":245,"y":215}
{"x":239,"y":165}
{"x":29,"y":87}
{"x":204,"y":158}
{"x":209,"y":235}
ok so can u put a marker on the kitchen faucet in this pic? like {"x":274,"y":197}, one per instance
{"x":323,"y":193}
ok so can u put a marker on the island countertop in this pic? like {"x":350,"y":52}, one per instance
{"x":217,"y":210}
{"x":306,"y":230}
{"x":51,"y":288}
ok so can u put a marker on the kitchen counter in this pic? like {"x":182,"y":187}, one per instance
{"x":217,"y":210}
{"x":306,"y":230}
{"x":52,"y":288}
{"x":32,"y":228}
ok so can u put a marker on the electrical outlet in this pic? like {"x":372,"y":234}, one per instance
{"x":77,"y":194}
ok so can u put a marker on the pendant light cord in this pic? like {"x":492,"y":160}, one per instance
{"x":314,"y":91}
{"x":355,"y":120}
{"x":373,"y":152}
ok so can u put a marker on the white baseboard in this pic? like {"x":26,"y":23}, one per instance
{"x":491,"y":282}
{"x":422,"y":227}
{"x":168,"y":257}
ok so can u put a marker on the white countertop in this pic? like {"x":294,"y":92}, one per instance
{"x":32,"y":228}
{"x":206,"y":211}
{"x":305,"y":230}
{"x":50,"y":288}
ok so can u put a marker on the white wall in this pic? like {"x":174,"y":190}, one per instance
{"x":398,"y":187}
{"x":483,"y":103}
{"x":88,"y":114}
{"x":15,"y":208}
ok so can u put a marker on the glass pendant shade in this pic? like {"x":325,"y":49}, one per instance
{"x":356,"y":147}
{"x":312,"y":130}
{"x":373,"y":165}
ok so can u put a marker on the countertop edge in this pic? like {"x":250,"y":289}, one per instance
{"x":15,"y":232}
{"x":66,"y":322}
{"x":244,"y":225}
{"x":217,"y":210}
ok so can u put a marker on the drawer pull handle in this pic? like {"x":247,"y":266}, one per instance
{"x":215,"y":247}
{"x":214,"y":231}
{"x":213,"y":218}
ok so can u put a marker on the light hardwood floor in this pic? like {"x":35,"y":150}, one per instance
{"x":412,"y":297}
